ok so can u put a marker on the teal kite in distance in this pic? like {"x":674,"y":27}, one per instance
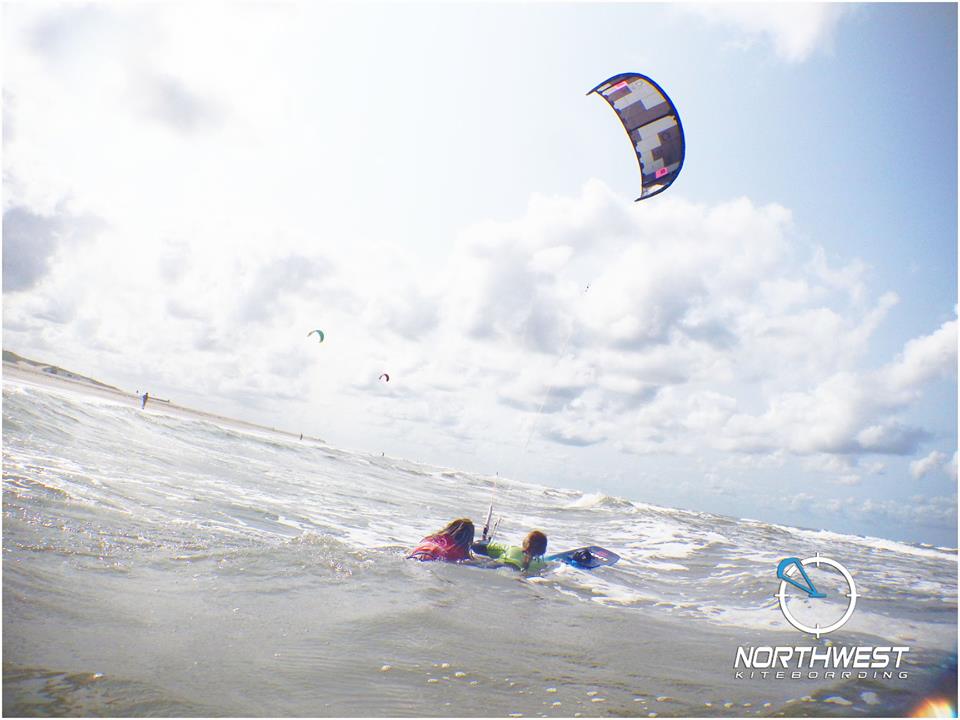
{"x":318,"y":332}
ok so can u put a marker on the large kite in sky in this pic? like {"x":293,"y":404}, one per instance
{"x":651,"y":120}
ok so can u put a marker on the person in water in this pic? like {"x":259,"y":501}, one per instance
{"x":526,"y":558}
{"x":146,"y":396}
{"x":451,"y":544}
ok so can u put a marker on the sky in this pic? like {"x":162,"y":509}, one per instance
{"x":190,"y":188}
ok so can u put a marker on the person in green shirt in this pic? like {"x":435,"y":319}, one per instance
{"x":527,"y":558}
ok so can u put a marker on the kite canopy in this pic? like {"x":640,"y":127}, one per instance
{"x":385,"y":377}
{"x":318,"y":332}
{"x":652,"y":122}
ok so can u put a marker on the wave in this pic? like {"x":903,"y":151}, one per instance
{"x":598,"y":500}
{"x":227,"y":481}
{"x":875,"y":543}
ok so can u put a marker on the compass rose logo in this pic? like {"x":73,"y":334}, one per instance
{"x":792,"y":573}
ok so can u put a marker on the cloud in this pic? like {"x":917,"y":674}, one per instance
{"x":262,"y":300}
{"x":169,"y":101}
{"x":103,"y":45}
{"x":934,"y":461}
{"x":851,"y":412}
{"x":696,"y":332}
{"x":844,"y":469}
{"x":31,"y":240}
{"x":920,"y":510}
{"x":719,"y":485}
{"x":411,"y":311}
{"x":890,"y":437}
{"x":577,"y":437}
{"x":923,"y":359}
{"x":795,"y":30}
{"x":799,"y":502}
{"x":174,"y":261}
{"x":9,"y":127}
{"x":60,"y":36}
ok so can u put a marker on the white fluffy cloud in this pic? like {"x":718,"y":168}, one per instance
{"x":795,"y":30}
{"x":852,"y":412}
{"x":934,"y":461}
{"x":669,"y":328}
{"x":920,"y":510}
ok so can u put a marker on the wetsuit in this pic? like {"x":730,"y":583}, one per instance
{"x":511,"y":555}
{"x":439,"y":547}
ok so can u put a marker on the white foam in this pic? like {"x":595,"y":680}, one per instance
{"x":874,"y":543}
{"x":665,"y":567}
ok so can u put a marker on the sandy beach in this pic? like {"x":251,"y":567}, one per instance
{"x":40,"y":373}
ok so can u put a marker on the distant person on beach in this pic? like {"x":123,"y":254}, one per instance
{"x":526,"y":558}
{"x":451,"y":544}
{"x":146,"y":396}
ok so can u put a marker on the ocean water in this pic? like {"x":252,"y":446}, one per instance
{"x":160,"y":562}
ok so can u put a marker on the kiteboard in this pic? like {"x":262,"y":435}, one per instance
{"x":585,"y":558}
